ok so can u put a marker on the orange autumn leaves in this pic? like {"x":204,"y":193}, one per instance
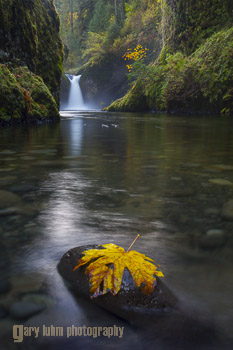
{"x":106,"y":268}
{"x":138,"y":53}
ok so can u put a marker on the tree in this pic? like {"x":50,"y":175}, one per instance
{"x":122,"y":11}
{"x":115,"y":3}
{"x":100,"y":19}
{"x":72,"y":17}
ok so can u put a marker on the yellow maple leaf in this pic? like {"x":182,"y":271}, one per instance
{"x":106,"y":271}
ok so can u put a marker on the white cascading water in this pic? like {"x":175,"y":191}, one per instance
{"x":75,"y":101}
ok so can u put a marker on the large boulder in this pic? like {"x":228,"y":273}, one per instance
{"x":165,"y":322}
{"x":130,"y":303}
{"x":24,"y":97}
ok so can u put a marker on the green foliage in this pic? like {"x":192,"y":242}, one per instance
{"x":101,"y":16}
{"x":138,"y":69}
{"x":112,"y":33}
{"x":189,"y":61}
{"x":120,"y":26}
{"x":204,"y":79}
{"x":94,"y":47}
{"x":188,"y":23}
{"x":200,"y":82}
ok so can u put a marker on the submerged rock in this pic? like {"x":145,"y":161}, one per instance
{"x":26,"y":283}
{"x":223,"y":167}
{"x":129,"y":303}
{"x":22,"y":188}
{"x":227,"y":210}
{"x":38,"y":299}
{"x":8,"y":199}
{"x":213,"y":239}
{"x":211,"y":211}
{"x":221,"y":182}
{"x":25,"y":309}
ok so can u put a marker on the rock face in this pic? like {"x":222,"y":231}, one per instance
{"x":29,"y":38}
{"x":103,"y":82}
{"x":129,"y":303}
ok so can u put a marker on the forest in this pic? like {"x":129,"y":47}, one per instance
{"x":188,"y":61}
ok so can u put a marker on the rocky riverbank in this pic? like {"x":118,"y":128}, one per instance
{"x":31,"y":58}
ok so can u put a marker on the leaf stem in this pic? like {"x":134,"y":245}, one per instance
{"x":132,"y":243}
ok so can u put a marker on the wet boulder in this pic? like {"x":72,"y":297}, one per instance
{"x":130,"y":303}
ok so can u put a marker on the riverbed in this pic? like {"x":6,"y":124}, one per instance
{"x":101,"y":177}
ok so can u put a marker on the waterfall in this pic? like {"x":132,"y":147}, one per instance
{"x":75,"y":101}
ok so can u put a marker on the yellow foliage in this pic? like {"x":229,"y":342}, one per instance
{"x":106,"y":271}
{"x":75,"y":16}
{"x":138,"y":53}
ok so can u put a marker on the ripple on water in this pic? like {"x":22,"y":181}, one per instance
{"x":27,"y":158}
{"x":5,"y":170}
{"x":43,"y":151}
{"x":8,"y":159}
{"x":8,"y":152}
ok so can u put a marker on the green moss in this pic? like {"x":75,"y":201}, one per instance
{"x":133,"y":101}
{"x":187,"y":23}
{"x":43,"y":105}
{"x":29,"y":33}
{"x":24,"y":97}
{"x":11,"y":96}
{"x":201,"y":82}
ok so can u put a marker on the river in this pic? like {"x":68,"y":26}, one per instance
{"x":101,"y":177}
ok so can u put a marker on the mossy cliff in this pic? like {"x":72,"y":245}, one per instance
{"x":24,"y":97}
{"x":187,"y":23}
{"x":194,"y":70}
{"x":29,"y":38}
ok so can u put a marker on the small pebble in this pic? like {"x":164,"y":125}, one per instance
{"x":23,"y":309}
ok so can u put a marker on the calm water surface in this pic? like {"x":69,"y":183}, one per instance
{"x":101,"y":178}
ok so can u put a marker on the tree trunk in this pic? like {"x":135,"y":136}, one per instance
{"x":72,"y":17}
{"x":116,"y":8}
{"x":122,"y":11}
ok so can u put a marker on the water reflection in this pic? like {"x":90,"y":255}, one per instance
{"x":80,"y":183}
{"x":73,"y":132}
